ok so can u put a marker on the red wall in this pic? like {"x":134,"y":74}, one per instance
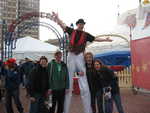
{"x":140,"y":56}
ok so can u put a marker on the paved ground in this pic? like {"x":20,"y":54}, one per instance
{"x":132,"y":103}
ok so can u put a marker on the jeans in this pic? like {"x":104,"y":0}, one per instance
{"x":117,"y":99}
{"x":99,"y":98}
{"x":104,"y":106}
{"x":93,"y":101}
{"x":58,"y":97}
{"x":15,"y":95}
{"x":108,"y":106}
{"x":37,"y":106}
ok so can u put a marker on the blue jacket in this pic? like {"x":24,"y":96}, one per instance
{"x":13,"y":79}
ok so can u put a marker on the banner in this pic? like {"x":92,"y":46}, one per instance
{"x":130,"y":20}
{"x":147,"y":22}
{"x":140,"y":58}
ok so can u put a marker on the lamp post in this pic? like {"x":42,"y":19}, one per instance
{"x":2,"y":22}
{"x":1,"y":47}
{"x":4,"y":30}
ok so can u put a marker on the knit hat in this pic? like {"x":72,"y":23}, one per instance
{"x":11,"y":60}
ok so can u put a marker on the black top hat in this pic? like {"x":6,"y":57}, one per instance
{"x":80,"y":21}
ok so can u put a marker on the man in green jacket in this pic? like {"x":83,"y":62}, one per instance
{"x":58,"y":82}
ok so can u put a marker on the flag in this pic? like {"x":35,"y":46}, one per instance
{"x":130,"y":20}
{"x":147,"y":22}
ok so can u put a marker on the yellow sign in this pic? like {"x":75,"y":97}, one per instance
{"x":146,"y":2}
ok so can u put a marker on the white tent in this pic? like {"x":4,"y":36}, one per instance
{"x":33,"y":49}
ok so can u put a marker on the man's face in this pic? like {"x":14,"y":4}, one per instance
{"x":88,"y":59}
{"x":43,"y":62}
{"x":58,"y":57}
{"x":80,"y":26}
{"x":11,"y":65}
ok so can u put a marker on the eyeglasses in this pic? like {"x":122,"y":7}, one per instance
{"x":97,"y":64}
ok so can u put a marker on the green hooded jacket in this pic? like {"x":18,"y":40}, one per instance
{"x":58,"y":75}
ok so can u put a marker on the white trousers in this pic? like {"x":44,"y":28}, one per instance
{"x":76,"y":64}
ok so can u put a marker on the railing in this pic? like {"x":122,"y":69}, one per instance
{"x":124,"y":77}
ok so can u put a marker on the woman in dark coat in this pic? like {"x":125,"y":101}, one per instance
{"x":103,"y":84}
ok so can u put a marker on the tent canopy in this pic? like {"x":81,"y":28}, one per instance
{"x":29,"y":44}
{"x":115,"y":58}
{"x":33,"y":49}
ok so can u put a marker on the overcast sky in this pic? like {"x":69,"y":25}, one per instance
{"x":100,"y":15}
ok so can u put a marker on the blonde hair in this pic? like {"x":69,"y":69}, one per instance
{"x":88,"y":53}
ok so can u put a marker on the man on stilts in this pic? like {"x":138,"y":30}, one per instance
{"x":77,"y":44}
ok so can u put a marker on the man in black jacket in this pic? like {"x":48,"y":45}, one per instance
{"x":38,"y":86}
